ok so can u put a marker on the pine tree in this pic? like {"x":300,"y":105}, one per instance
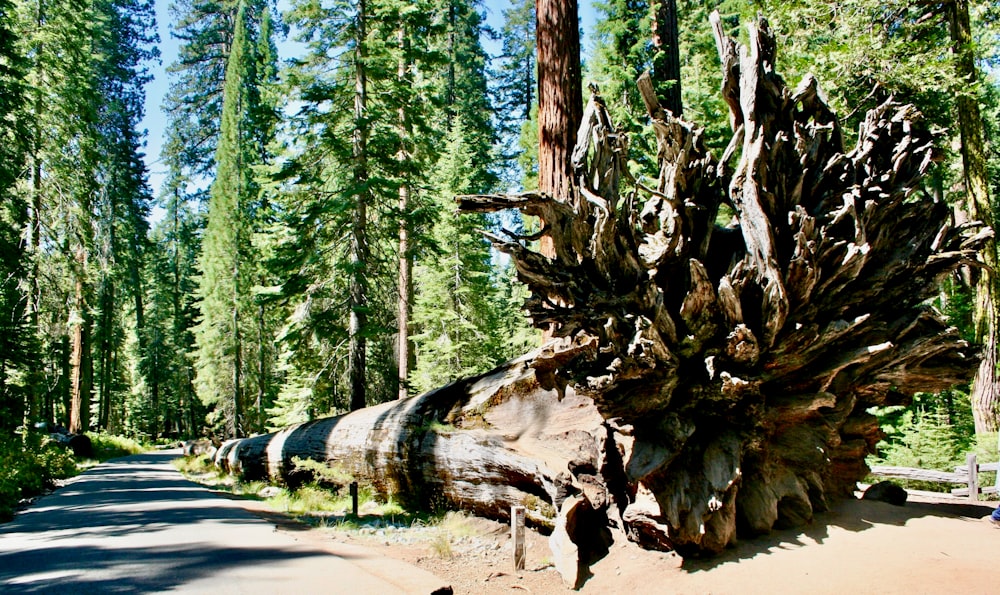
{"x":59,"y":39}
{"x":225,"y":281}
{"x":172,"y":287}
{"x":122,"y":205}
{"x":460,"y":303}
{"x":985,"y":393}
{"x":17,"y":347}
{"x":515,"y":81}
{"x":344,"y":189}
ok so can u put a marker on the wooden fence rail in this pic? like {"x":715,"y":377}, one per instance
{"x":967,"y":474}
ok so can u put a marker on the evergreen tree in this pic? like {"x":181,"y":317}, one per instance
{"x":460,"y":303}
{"x":122,"y":205}
{"x":172,"y":286}
{"x":62,"y":72}
{"x":225,"y":281}
{"x":17,"y":349}
{"x":345,"y":181}
{"x":515,"y":80}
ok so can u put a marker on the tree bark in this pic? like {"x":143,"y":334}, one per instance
{"x":666,"y":55}
{"x":560,"y":99}
{"x":985,"y":388}
{"x":79,"y":390}
{"x":702,"y":381}
{"x":404,"y":304}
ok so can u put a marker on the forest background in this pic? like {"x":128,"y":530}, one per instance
{"x":293,"y":251}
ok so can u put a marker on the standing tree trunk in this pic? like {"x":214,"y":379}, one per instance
{"x":79,"y":409}
{"x":404,"y":303}
{"x":667,"y":56}
{"x":235,"y":420}
{"x":560,"y":100}
{"x":105,"y":353}
{"x":985,"y":388}
{"x":359,"y":240}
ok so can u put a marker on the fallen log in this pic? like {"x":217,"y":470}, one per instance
{"x":705,"y":380}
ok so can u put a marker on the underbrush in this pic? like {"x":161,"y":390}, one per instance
{"x":935,"y":433}
{"x":321,"y":498}
{"x":107,"y":446}
{"x":28,"y":468}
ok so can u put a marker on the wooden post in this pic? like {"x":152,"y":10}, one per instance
{"x":996,"y":484}
{"x":354,"y":498}
{"x":517,"y":514}
{"x":973,"y":477}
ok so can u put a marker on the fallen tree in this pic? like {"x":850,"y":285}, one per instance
{"x":704,"y":380}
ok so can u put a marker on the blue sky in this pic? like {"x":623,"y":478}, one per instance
{"x":155,"y":120}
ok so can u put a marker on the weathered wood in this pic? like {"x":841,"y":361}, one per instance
{"x":920,"y":474}
{"x":966,"y":492}
{"x":973,"y":475}
{"x":482,"y":444}
{"x":739,"y":361}
{"x":701,"y":379}
{"x":517,"y":535}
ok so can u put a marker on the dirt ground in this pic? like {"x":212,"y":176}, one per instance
{"x":931,"y":545}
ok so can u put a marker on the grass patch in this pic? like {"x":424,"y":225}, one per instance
{"x":107,"y":446}
{"x":325,"y":503}
{"x":201,"y":469}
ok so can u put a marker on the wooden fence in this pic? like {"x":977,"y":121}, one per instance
{"x":967,"y":475}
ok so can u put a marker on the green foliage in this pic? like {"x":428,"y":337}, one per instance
{"x":196,"y":465}
{"x":935,"y":432}
{"x":107,"y":446}
{"x":322,"y":473}
{"x":235,"y":356}
{"x":28,"y":468}
{"x":459,"y":299}
{"x":17,"y":346}
{"x":223,"y":334}
{"x":514,"y":82}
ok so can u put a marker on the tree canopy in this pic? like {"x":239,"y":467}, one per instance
{"x":302,"y":256}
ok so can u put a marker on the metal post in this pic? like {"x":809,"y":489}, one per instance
{"x":354,"y":498}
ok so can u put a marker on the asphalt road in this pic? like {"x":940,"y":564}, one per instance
{"x":135,"y":525}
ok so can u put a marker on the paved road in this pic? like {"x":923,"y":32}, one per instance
{"x":135,"y":525}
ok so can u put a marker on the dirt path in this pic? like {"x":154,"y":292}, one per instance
{"x":859,"y":547}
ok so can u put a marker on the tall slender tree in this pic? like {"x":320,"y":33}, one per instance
{"x":17,"y":402}
{"x":985,"y":388}
{"x":122,"y":205}
{"x":225,"y":283}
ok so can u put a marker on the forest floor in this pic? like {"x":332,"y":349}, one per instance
{"x":931,"y":545}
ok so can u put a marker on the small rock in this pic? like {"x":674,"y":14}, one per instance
{"x":269,"y":492}
{"x":886,"y":491}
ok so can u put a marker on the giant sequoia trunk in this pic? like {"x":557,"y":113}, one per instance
{"x":703,"y":380}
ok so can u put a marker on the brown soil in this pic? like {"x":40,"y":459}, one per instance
{"x":932,"y":545}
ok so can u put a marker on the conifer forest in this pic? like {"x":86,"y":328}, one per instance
{"x":303,"y":254}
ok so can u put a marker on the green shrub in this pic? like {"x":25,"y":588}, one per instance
{"x":28,"y":468}
{"x":306,"y":471}
{"x":107,"y":446}
{"x":199,"y":466}
{"x":935,"y":432}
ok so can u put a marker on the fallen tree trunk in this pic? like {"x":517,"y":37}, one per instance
{"x":704,"y":380}
{"x":481,"y":444}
